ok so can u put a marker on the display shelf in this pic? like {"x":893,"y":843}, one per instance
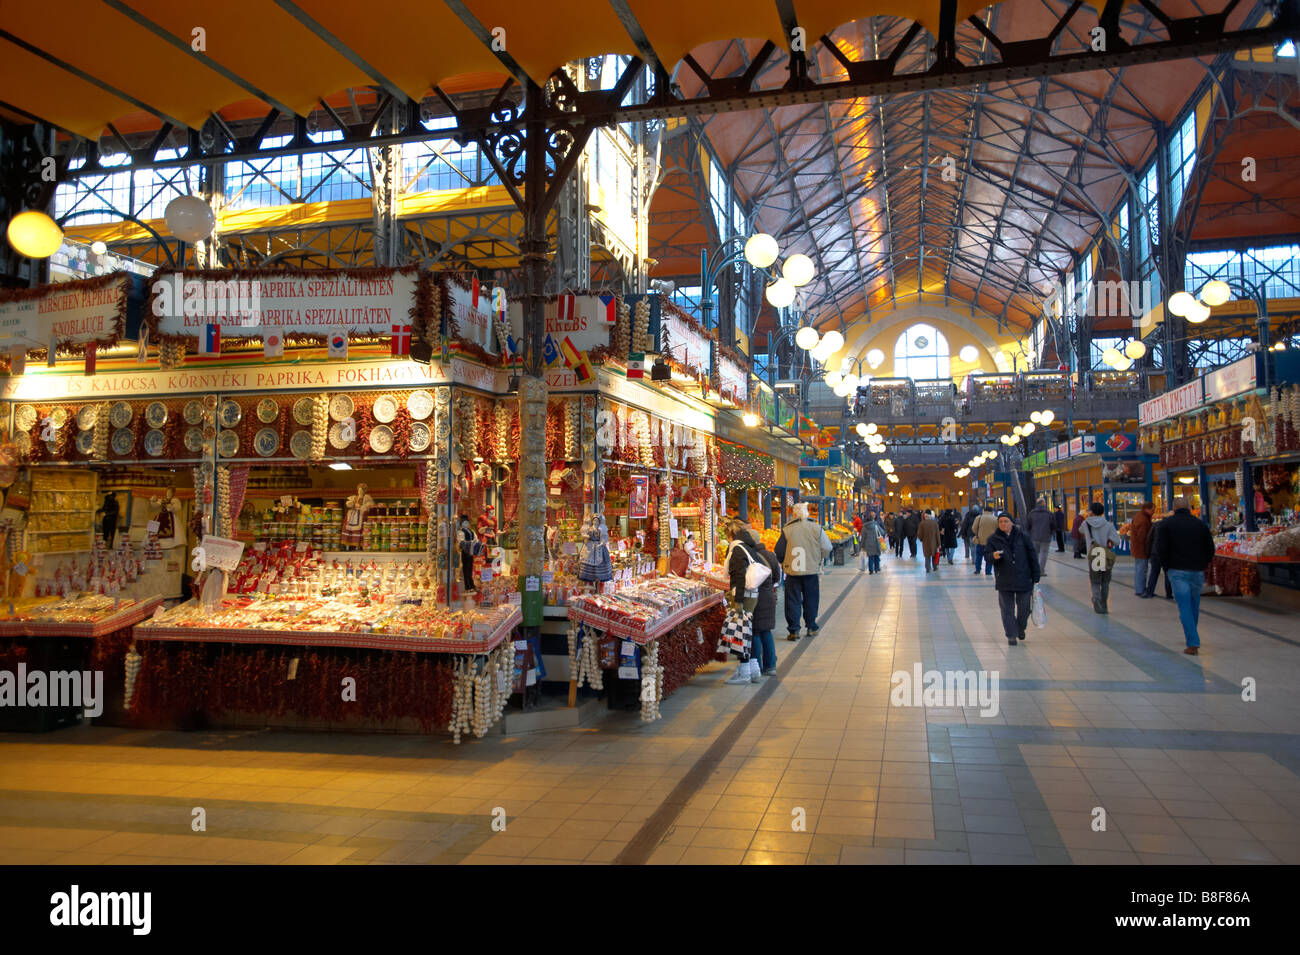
{"x":331,"y":638}
{"x":633,"y":632}
{"x":330,"y":492}
{"x":1253,"y":559}
{"x":119,"y":619}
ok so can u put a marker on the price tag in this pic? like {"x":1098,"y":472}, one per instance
{"x":672,"y":527}
{"x":157,"y":612}
{"x":515,"y":598}
{"x":548,"y":576}
{"x":531,"y":678}
{"x":486,"y":574}
{"x":629,"y":648}
{"x":569,"y":548}
{"x":532,"y":584}
{"x":521,"y":644}
{"x":219,"y":552}
{"x":260,"y":547}
{"x":556,"y":491}
{"x":286,"y":500}
{"x":152,"y":527}
{"x":302,"y":546}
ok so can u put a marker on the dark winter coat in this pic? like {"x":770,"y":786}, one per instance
{"x":1017,"y":570}
{"x":929,"y":533}
{"x":966,"y":523}
{"x":911,"y":524}
{"x":1059,"y":517}
{"x":1185,"y":542}
{"x":765,"y":609}
{"x":948,"y":529}
{"x":1039,"y":524}
{"x":1153,"y":540}
{"x":900,"y":526}
{"x":872,"y":538}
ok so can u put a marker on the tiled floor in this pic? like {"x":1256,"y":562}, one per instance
{"x":1108,"y":745}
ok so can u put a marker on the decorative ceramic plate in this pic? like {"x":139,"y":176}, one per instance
{"x":85,"y":417}
{"x":267,"y":442}
{"x":300,"y":445}
{"x":385,"y":409}
{"x":155,"y":442}
{"x":120,"y":415}
{"x":155,"y":414}
{"x":59,"y":417}
{"x":420,"y":404}
{"x":25,"y":417}
{"x":23,"y":441}
{"x":123,"y":441}
{"x":194,"y":440}
{"x":231,"y":414}
{"x":228,"y":444}
{"x":267,"y":410}
{"x":210,"y":402}
{"x":209,"y":432}
{"x":85,"y":442}
{"x":340,"y":407}
{"x":302,"y":410}
{"x":381,"y":439}
{"x":207,"y":467}
{"x":337,"y":436}
{"x":193,"y":411}
{"x":420,"y":437}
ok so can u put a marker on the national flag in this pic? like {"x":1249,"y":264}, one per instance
{"x":610,"y":315}
{"x":445,"y":351}
{"x":582,"y":370}
{"x":337,"y":343}
{"x":91,"y":353}
{"x":570,"y":352}
{"x":636,"y":365}
{"x":550,"y":352}
{"x":499,"y":301}
{"x":18,"y":360}
{"x":273,"y":345}
{"x":473,"y":288}
{"x":210,"y":340}
{"x":567,"y":308}
{"x":400,"y":344}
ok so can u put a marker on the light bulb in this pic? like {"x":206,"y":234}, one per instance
{"x":834,"y":341}
{"x":1036,"y":417}
{"x":968,"y":353}
{"x":798,"y":270}
{"x":871,"y":428}
{"x":833,"y":379}
{"x":34,"y":234}
{"x":1124,"y":364}
{"x":1110,"y":356}
{"x":861,"y":429}
{"x":1017,"y":431}
{"x":1180,"y":303}
{"x":1047,"y":418}
{"x":780,"y":293}
{"x":806,"y":338}
{"x":1135,"y":349}
{"x":1197,"y":313}
{"x":1030,"y":428}
{"x":761,"y":250}
{"x":750,"y":419}
{"x":98,"y":247}
{"x":852,"y":381}
{"x":875,"y":358}
{"x":841,"y":390}
{"x":1215,"y":292}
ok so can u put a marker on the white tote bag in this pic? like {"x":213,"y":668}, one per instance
{"x":756,"y":572}
{"x":1037,"y":609}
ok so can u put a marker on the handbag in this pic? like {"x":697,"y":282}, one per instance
{"x":755,"y":573}
{"x":1038,"y":609}
{"x":737,"y":627}
{"x":1093,"y":548}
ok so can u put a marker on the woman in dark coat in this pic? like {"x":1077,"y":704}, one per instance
{"x":763,"y":647}
{"x":1015,"y":570}
{"x":948,"y":533}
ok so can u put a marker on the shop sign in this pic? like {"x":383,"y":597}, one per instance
{"x":665,"y":405}
{"x":683,"y":343}
{"x":1052,"y":454}
{"x":473,"y":320}
{"x":1084,"y":444}
{"x":582,"y":321}
{"x":1117,"y":442}
{"x":294,"y":303}
{"x":734,"y":378}
{"x":71,"y":313}
{"x":1181,"y":399}
{"x":332,"y":376}
{"x":1231,"y":379}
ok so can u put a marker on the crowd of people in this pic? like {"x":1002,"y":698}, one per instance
{"x":1015,"y":553}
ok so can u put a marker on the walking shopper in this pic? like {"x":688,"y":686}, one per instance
{"x":984,"y":527}
{"x":900,"y":532}
{"x":1099,"y":536}
{"x":910,"y":527}
{"x":801,"y":548}
{"x":1153,"y":556}
{"x":930,"y":539}
{"x":971,"y":513}
{"x":873,"y":540}
{"x":1039,"y":525}
{"x":1012,"y":552}
{"x":1059,"y":515}
{"x":748,"y":547}
{"x":1138,"y":532}
{"x":857,"y":534}
{"x":1186,"y":549}
{"x":948,"y":534}
{"x":1077,"y":536}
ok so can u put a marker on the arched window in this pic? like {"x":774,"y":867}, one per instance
{"x":921,"y":352}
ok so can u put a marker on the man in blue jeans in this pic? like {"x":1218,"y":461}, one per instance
{"x":1186,"y":548}
{"x":801,"y":549}
{"x":982,"y":528}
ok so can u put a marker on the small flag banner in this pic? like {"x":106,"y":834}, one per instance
{"x":210,"y":340}
{"x":610,"y":314}
{"x":92,"y":351}
{"x":401,"y":341}
{"x":550,"y":352}
{"x":338,"y":343}
{"x":273,"y":345}
{"x":566,"y":308}
{"x":636,"y":365}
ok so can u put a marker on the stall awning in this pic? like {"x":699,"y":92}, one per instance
{"x":136,"y":63}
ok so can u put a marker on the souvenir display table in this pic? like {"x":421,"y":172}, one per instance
{"x":657,"y":632}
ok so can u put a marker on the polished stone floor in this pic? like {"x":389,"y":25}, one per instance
{"x":1108,"y":745}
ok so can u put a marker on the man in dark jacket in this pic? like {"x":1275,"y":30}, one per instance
{"x":1186,"y":549}
{"x":1039,"y":526}
{"x":964,"y":533}
{"x":900,"y":532}
{"x":1015,"y":567}
{"x":1059,"y":515}
{"x":1077,"y":534}
{"x":911,"y":525}
{"x":1138,"y":530}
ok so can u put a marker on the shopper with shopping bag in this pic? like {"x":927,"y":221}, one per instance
{"x":873,"y":542}
{"x":753,"y":587}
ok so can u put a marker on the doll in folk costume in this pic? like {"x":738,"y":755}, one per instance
{"x":355,"y":516}
{"x":487,"y":526}
{"x":596,"y":564}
